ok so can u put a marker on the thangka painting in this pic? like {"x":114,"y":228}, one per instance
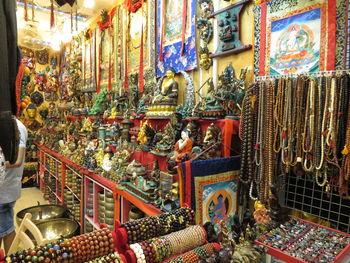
{"x":210,"y":188}
{"x":303,"y":34}
{"x":170,"y":51}
{"x":216,"y":198}
{"x":106,"y":57}
{"x":298,"y":43}
{"x":89,"y":63}
{"x":138,"y":20}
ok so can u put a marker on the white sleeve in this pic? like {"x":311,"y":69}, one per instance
{"x":23,"y":134}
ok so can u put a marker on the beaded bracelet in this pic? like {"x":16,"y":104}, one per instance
{"x":137,"y":249}
{"x":111,"y":258}
{"x":149,"y":227}
{"x":195,"y":255}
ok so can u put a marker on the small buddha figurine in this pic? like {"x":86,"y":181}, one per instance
{"x":183,"y":147}
{"x":87,"y":126}
{"x":169,"y":89}
{"x":113,"y":114}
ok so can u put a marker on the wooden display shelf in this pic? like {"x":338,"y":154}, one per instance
{"x":91,"y":221}
{"x":76,"y":196}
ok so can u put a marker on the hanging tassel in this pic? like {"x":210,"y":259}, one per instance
{"x":26,"y":10}
{"x":52,"y":18}
{"x":163,"y":6}
{"x":76,"y":19}
{"x":345,"y":151}
{"x":71,"y":21}
{"x":141,"y":69}
{"x":33,"y":12}
{"x":184,"y":22}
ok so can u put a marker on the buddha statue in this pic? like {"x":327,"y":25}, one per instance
{"x":87,"y":126}
{"x":183,"y":147}
{"x":164,"y":104}
{"x":165,"y":146}
{"x":31,"y":118}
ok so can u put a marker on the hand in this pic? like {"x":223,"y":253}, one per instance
{"x":7,"y":164}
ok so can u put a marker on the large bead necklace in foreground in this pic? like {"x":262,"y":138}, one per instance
{"x":149,"y":227}
{"x":59,"y":251}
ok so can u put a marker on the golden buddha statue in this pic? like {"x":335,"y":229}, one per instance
{"x":164,"y":104}
{"x":31,"y":118}
{"x":87,"y":126}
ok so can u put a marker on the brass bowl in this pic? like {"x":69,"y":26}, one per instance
{"x":42,"y":213}
{"x":54,"y":229}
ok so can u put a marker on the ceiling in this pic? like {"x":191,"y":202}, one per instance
{"x":39,"y":30}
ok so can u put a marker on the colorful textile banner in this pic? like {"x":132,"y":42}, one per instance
{"x":169,"y":40}
{"x":210,"y":188}
{"x":297,"y":36}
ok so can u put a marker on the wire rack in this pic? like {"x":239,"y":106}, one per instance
{"x":305,"y":195}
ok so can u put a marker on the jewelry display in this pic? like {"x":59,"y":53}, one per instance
{"x":301,"y":126}
{"x":306,"y":241}
{"x":195,"y":255}
{"x":149,"y":227}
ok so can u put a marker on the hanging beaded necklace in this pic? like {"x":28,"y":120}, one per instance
{"x":309,"y":128}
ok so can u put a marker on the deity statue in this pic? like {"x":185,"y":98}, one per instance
{"x":205,"y":61}
{"x":32,"y":118}
{"x":164,"y":104}
{"x":212,"y":142}
{"x":183,"y":147}
{"x":169,"y":89}
{"x":87,"y":126}
{"x":212,"y":104}
{"x":166,"y":144}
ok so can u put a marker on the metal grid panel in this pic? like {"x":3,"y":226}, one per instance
{"x":305,"y":195}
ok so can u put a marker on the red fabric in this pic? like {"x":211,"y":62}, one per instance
{"x":147,"y":159}
{"x":163,"y":6}
{"x":188,"y":196}
{"x":110,"y":73}
{"x":104,"y":26}
{"x":52,"y":17}
{"x":133,"y":7}
{"x":332,"y":5}
{"x":262,"y":39}
{"x":227,"y":137}
{"x":184,"y":20}
{"x":19,"y":78}
{"x":141,"y":68}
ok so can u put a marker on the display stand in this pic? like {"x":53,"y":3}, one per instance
{"x":122,"y":199}
{"x":279,"y":254}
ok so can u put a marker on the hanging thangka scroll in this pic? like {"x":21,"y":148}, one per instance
{"x":304,"y":33}
{"x":176,"y":45}
{"x":138,"y":36}
{"x":89,"y":61}
{"x":106,"y":52}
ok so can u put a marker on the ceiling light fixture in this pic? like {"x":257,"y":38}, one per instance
{"x":89,"y":4}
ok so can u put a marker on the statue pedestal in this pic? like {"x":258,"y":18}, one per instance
{"x":161,"y":110}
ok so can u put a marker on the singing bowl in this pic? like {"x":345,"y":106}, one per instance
{"x":55,"y":229}
{"x":42,"y":213}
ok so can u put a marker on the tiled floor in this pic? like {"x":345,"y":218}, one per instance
{"x":29,"y":197}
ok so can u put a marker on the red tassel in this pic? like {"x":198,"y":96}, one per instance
{"x":184,"y":22}
{"x":284,"y":134}
{"x":141,"y":69}
{"x":25,"y":10}
{"x":163,"y":30}
{"x":52,"y":19}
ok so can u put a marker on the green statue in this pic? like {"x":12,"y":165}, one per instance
{"x":98,"y":107}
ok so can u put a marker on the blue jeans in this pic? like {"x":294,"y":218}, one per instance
{"x":6,"y":219}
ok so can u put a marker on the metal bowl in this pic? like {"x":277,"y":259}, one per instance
{"x":42,"y":213}
{"x":54,"y":229}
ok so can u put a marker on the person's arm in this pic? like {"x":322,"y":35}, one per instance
{"x":20,"y":159}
